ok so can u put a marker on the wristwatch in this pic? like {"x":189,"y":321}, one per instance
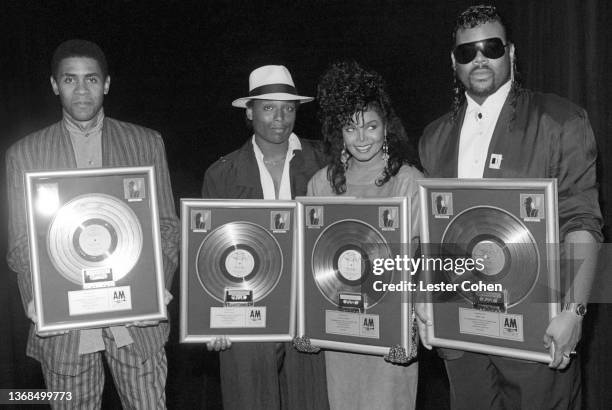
{"x":577,"y":308}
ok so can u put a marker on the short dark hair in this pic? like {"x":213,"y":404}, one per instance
{"x":78,"y":48}
{"x":475,"y":16}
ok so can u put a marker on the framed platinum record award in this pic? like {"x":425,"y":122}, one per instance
{"x":352,"y":294}
{"x":95,"y":247}
{"x":237,"y":270}
{"x":490,"y":264}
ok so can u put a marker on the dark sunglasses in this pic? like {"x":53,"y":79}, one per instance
{"x":490,"y":48}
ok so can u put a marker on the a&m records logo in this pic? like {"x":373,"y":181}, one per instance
{"x":256,"y":317}
{"x":369,"y":326}
{"x":368,"y":323}
{"x":511,"y":326}
{"x":119,"y":296}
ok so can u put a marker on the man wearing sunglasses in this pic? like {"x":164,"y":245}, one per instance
{"x":497,"y":129}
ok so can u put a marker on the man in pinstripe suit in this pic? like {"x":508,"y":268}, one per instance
{"x":85,"y":138}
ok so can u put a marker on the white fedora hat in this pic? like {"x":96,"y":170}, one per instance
{"x":271,"y":82}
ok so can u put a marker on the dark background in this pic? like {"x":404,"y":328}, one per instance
{"x":177,"y":65}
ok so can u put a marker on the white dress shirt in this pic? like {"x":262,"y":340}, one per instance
{"x":267,"y":183}
{"x":478,"y":126}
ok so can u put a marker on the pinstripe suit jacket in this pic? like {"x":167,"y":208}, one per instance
{"x":123,"y":144}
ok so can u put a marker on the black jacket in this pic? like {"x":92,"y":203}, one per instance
{"x":236,"y":176}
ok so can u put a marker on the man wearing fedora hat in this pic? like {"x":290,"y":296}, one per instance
{"x":273,"y":164}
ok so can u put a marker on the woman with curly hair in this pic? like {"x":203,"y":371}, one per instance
{"x":370,"y":156}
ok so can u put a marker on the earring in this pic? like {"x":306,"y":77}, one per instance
{"x":385,"y":151}
{"x":344,"y":157}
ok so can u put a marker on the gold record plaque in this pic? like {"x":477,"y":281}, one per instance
{"x":341,"y":261}
{"x":237,"y":271}
{"x":94,"y":232}
{"x":493,"y":267}
{"x":95,"y":247}
{"x":344,"y":301}
{"x":239,"y":255}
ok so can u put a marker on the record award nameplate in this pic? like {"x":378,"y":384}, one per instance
{"x":490,"y":264}
{"x":94,"y":247}
{"x":237,"y":270}
{"x":351,"y":296}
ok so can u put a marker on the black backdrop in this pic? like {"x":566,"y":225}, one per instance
{"x":177,"y":65}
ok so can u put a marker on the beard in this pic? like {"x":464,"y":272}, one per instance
{"x":481,"y":88}
{"x":484,"y":80}
{"x":482,"y":91}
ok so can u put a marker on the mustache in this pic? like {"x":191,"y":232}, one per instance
{"x":481,"y":67}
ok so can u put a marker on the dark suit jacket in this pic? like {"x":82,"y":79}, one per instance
{"x":236,"y":175}
{"x":123,"y":144}
{"x":543,"y":136}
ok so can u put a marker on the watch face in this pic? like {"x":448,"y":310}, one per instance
{"x":581,"y":309}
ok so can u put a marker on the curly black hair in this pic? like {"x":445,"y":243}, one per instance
{"x":347,"y":88}
{"x":472,"y":17}
{"x":475,"y":16}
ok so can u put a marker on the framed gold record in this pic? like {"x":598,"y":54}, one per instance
{"x":237,"y":270}
{"x":352,"y":296}
{"x":490,"y":264}
{"x":95,"y":247}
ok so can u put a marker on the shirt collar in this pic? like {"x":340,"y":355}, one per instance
{"x":265,"y":178}
{"x":294,"y":145}
{"x":74,"y":129}
{"x":493,"y":104}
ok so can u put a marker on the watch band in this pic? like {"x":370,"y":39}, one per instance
{"x":577,"y":308}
